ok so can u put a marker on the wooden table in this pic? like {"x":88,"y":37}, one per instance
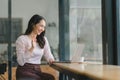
{"x":87,"y":71}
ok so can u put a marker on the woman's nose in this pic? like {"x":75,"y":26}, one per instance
{"x":42,"y":28}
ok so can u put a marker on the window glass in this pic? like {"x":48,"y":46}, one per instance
{"x":22,"y":10}
{"x":85,"y":30}
{"x":46,"y":8}
{"x":3,"y":37}
{"x":3,"y":28}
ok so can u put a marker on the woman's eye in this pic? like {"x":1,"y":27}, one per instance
{"x":42,"y":26}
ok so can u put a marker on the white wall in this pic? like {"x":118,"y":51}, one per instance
{"x":3,"y":8}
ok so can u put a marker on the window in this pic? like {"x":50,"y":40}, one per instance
{"x":85,"y":30}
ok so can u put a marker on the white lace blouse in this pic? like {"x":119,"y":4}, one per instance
{"x":23,"y":44}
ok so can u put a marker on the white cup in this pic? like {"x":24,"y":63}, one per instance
{"x":81,"y":59}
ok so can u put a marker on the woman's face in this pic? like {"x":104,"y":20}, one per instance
{"x":39,"y":27}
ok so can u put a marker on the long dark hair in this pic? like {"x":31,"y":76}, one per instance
{"x":33,"y":21}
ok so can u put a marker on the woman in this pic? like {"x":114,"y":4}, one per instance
{"x":30,"y":48}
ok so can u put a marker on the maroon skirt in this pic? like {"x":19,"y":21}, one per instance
{"x":32,"y":72}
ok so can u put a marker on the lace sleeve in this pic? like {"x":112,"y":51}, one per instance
{"x":21,"y":51}
{"x":47,"y":52}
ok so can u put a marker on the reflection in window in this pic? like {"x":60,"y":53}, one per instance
{"x":85,"y":30}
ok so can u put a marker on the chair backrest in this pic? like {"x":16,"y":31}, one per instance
{"x":3,"y":67}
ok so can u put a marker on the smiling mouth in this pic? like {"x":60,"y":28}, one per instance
{"x":39,"y":32}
